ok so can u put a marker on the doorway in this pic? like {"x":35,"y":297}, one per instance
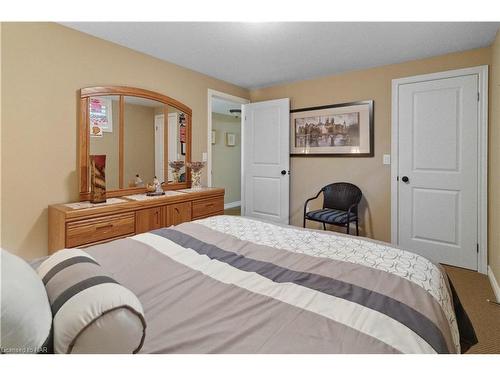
{"x":439,"y":169}
{"x":224,"y":147}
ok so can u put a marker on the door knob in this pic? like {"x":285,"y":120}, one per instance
{"x":405,"y":179}
{"x":283,"y":172}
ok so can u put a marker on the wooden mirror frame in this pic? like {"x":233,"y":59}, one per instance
{"x":84,"y":136}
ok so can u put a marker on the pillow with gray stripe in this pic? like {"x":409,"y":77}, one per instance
{"x":92,"y":312}
{"x":25,"y":318}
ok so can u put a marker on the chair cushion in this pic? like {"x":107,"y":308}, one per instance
{"x":330,"y":216}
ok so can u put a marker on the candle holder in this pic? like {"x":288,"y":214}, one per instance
{"x":196,"y":167}
{"x":176,"y":166}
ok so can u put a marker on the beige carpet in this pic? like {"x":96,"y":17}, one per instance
{"x":235,"y":211}
{"x":473,"y":289}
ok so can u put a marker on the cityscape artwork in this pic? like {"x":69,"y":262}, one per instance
{"x":337,"y":130}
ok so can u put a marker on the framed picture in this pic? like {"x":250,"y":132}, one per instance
{"x":333,"y":130}
{"x":101,"y":114}
{"x":230,"y":139}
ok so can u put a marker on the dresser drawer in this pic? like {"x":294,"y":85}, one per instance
{"x":99,"y":229}
{"x":175,"y":214}
{"x":208,"y":207}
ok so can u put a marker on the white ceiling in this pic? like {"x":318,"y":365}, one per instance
{"x":254,"y":55}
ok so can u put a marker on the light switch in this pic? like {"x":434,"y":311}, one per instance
{"x":204,"y":156}
{"x":386,"y":160}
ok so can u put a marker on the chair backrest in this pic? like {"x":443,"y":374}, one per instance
{"x":341,"y":195}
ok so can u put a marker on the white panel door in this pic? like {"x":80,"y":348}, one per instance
{"x":438,"y":175}
{"x":265,"y":160}
{"x":173,"y":139}
{"x":159,"y":141}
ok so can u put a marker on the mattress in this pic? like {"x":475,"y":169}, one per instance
{"x":230,"y":284}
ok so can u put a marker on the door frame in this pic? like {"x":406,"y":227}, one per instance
{"x":482,"y":214}
{"x":221,"y":95}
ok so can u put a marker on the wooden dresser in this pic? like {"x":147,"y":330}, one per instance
{"x":80,"y":227}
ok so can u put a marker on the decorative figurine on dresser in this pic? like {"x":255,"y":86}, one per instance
{"x":131,"y":118}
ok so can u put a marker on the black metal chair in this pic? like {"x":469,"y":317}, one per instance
{"x":340,"y":206}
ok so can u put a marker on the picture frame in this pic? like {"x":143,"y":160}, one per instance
{"x":230,"y":139}
{"x":100,"y":115}
{"x":345,"y":130}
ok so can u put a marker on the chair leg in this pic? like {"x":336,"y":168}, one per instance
{"x":357,"y":228}
{"x":348,"y":227}
{"x":304,"y":224}
{"x":324,"y":226}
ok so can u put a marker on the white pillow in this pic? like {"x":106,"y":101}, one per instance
{"x":26,"y":319}
{"x":92,"y":312}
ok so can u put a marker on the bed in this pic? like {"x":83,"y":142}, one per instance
{"x":230,"y":284}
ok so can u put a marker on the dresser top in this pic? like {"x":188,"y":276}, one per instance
{"x":134,"y":202}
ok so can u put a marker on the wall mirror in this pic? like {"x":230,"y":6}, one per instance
{"x":140,"y":132}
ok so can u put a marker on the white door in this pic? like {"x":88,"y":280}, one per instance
{"x":438,"y":173}
{"x":159,"y":140}
{"x":173,"y":138}
{"x":265,"y":160}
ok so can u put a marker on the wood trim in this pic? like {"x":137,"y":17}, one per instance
{"x":84,"y":137}
{"x":133,"y":91}
{"x":121,"y":143}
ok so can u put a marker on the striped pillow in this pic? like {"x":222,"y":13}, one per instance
{"x":92,"y":312}
{"x":25,"y":317}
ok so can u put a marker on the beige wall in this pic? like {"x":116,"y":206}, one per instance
{"x":226,"y":160}
{"x":308,"y":175}
{"x":43,"y":67}
{"x":494,"y":162}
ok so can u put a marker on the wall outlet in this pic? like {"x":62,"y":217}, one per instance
{"x":204,"y":156}
{"x":386,"y":160}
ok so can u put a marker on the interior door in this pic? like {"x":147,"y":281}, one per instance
{"x":173,"y":127}
{"x":265,"y":160}
{"x":438,"y":158}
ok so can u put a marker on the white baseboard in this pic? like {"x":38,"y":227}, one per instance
{"x":232,"y":205}
{"x":494,"y":284}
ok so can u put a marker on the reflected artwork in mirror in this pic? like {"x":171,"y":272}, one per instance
{"x":142,"y":133}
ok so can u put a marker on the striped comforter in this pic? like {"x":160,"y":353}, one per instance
{"x":229,"y":284}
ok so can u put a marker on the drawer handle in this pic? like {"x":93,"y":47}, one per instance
{"x":176,"y":210}
{"x":209,"y":204}
{"x":99,"y":227}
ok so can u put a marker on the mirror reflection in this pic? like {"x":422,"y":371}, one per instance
{"x":104,"y":112}
{"x":143,"y":143}
{"x":177,"y":134}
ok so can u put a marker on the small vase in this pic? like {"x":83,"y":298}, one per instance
{"x":97,"y":178}
{"x":196,"y":180}
{"x":175,"y":175}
